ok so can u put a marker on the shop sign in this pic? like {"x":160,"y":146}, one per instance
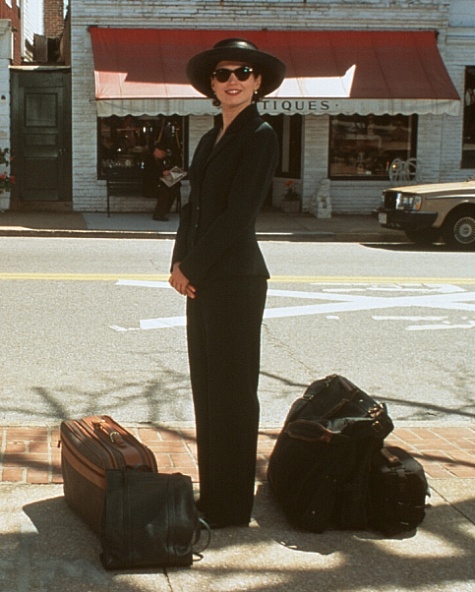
{"x":303,"y":106}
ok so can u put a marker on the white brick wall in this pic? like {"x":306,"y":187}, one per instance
{"x":315,"y":155}
{"x":439,"y":138}
{"x":462,"y":13}
{"x":5,"y":55}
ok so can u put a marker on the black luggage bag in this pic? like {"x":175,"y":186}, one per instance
{"x":398,"y":489}
{"x":89,"y":447}
{"x":319,"y":467}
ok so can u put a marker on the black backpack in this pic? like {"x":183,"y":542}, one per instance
{"x":319,"y":467}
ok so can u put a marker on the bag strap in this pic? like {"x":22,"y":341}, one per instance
{"x":199,"y":553}
{"x":391,"y":458}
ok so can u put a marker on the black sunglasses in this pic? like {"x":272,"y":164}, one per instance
{"x":223,"y":74}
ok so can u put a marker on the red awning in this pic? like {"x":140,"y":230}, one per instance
{"x":142,"y":71}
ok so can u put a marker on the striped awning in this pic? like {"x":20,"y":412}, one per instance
{"x":142,"y":71}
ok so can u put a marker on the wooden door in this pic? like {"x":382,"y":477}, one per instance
{"x":41,"y":137}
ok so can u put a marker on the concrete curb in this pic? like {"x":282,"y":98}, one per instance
{"x":299,"y":236}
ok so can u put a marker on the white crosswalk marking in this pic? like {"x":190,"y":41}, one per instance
{"x":341,"y":298}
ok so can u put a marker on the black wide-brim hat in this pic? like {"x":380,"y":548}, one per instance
{"x":201,"y":66}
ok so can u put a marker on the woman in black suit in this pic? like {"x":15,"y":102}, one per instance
{"x":218,"y":265}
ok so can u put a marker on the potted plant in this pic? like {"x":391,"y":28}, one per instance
{"x":291,"y":200}
{"x":6,"y":180}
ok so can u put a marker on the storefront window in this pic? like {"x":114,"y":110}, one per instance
{"x":289,"y":132}
{"x":366,"y":145}
{"x":125,"y":141}
{"x":468,"y":143}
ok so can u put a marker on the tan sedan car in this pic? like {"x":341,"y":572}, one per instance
{"x":432,"y":213}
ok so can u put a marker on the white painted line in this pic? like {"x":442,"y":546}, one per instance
{"x":143,"y":283}
{"x":163,"y":323}
{"x":469,"y":325}
{"x":406,"y":318}
{"x":446,"y":297}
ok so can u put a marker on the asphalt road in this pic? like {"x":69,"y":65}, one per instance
{"x":90,"y":326}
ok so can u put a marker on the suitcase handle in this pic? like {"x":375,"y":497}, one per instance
{"x":112,"y":434}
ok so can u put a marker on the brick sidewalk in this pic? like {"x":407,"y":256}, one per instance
{"x":31,"y":454}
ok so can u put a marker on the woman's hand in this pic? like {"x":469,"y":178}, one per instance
{"x":181,"y":283}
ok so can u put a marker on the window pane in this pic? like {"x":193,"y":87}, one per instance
{"x":468,"y":143}
{"x":289,"y":131}
{"x":364,"y":146}
{"x":41,"y":110}
{"x":125,"y":141}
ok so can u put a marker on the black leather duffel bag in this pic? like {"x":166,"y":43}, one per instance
{"x":319,"y":467}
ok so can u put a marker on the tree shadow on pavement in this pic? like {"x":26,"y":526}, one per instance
{"x":57,"y":550}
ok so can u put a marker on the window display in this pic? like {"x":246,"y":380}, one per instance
{"x":289,"y":132}
{"x":126,"y":141}
{"x":366,"y":145}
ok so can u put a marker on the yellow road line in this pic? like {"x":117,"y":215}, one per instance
{"x":82,"y":277}
{"x":291,"y":279}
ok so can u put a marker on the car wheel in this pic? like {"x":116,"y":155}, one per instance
{"x":423,"y":237}
{"x":459,"y":229}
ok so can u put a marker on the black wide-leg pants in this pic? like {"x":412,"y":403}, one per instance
{"x":224,"y":335}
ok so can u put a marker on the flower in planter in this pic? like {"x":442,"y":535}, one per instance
{"x":291,"y":194}
{"x":6,"y":180}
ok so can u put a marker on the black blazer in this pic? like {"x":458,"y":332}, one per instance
{"x":229,"y":183}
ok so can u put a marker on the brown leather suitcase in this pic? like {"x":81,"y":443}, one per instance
{"x":89,"y":447}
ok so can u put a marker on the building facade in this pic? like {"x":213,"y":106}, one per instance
{"x":35,"y":102}
{"x":10,"y":53}
{"x":32,"y":23}
{"x":377,"y":90}
{"x":10,"y":13}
